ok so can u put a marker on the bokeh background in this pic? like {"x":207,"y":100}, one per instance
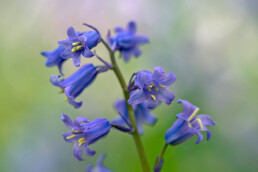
{"x":211,"y":46}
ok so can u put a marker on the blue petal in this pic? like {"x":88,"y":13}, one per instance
{"x":87,"y":150}
{"x":97,"y":129}
{"x":54,"y":80}
{"x":93,"y":39}
{"x":169,"y":79}
{"x":75,"y":104}
{"x":126,"y":55}
{"x":158,"y":168}
{"x":136,"y":97}
{"x":89,"y":168}
{"x":67,"y":44}
{"x":141,"y":39}
{"x":208,"y":134}
{"x":151,"y":104}
{"x":158,"y":74}
{"x":67,"y":121}
{"x":137,"y":52}
{"x":83,"y":72}
{"x":76,"y":61}
{"x":77,"y":151}
{"x":200,"y":137}
{"x":53,"y":57}
{"x":71,"y":32}
{"x":188,"y":110}
{"x":206,"y":120}
{"x":139,"y":126}
{"x":119,"y":29}
{"x":76,"y":89}
{"x":165,"y":95}
{"x":120,"y":106}
{"x":179,"y":132}
{"x":144,"y":114}
{"x":79,"y":120}
{"x":73,"y":139}
{"x":131,"y":27}
{"x":66,"y":54}
{"x":142,"y":78}
{"x":87,"y":52}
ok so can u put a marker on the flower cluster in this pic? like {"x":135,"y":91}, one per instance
{"x":144,"y":92}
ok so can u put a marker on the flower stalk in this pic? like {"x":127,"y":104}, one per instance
{"x":160,"y":157}
{"x":134,"y":133}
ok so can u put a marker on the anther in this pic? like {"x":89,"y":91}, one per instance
{"x":162,"y":85}
{"x":154,"y":98}
{"x":71,"y":136}
{"x":193,"y":114}
{"x":76,"y":43}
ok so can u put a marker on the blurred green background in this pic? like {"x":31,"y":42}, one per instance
{"x":211,"y":46}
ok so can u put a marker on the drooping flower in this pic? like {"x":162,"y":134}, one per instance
{"x":188,"y":124}
{"x":127,"y":41}
{"x":141,"y":112}
{"x":152,"y":88}
{"x":54,"y":58}
{"x":76,"y":83}
{"x":83,"y":133}
{"x":99,"y":166}
{"x":79,"y":44}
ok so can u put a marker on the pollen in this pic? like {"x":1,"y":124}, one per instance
{"x":76,"y":43}
{"x":162,"y":85}
{"x":154,"y":98}
{"x":193,"y":114}
{"x":200,"y":123}
{"x":79,"y":47}
{"x":81,"y":141}
{"x":75,"y":131}
{"x":61,"y":91}
{"x":71,"y":136}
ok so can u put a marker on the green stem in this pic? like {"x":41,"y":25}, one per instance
{"x":161,"y":155}
{"x":135,"y":134}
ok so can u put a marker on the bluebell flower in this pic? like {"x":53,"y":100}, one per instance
{"x":152,"y":88}
{"x":188,"y":124}
{"x":79,"y":44}
{"x":127,"y":41}
{"x":141,"y":112}
{"x":54,"y":58}
{"x":76,"y":83}
{"x":84,"y":133}
{"x":99,"y":166}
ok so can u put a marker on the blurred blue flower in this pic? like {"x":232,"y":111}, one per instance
{"x":79,"y":44}
{"x":54,"y":58}
{"x":152,"y":88}
{"x":83,"y":133}
{"x":76,"y":83}
{"x":188,"y":125}
{"x":99,"y":166}
{"x":126,"y":41}
{"x":141,"y":112}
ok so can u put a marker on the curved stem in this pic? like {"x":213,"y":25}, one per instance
{"x":134,"y":133}
{"x":161,"y":155}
